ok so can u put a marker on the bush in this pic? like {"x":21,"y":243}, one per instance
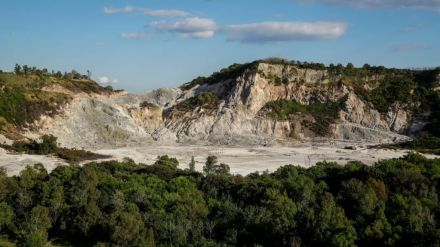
{"x":392,"y":89}
{"x":229,"y":73}
{"x":49,"y":145}
{"x":324,"y":113}
{"x":206,"y":100}
{"x":426,"y":143}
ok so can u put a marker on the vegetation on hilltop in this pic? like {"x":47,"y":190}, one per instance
{"x":393,"y":203}
{"x":390,"y":90}
{"x":379,"y":86}
{"x":231,"y":72}
{"x":23,"y":98}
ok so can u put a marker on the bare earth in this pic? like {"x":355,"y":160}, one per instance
{"x":242,"y":160}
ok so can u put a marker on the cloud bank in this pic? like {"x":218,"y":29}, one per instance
{"x":272,"y":32}
{"x":193,"y":27}
{"x":145,"y":11}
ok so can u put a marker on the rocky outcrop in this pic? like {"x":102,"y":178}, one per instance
{"x":238,"y":118}
{"x":147,"y":115}
{"x":89,"y":122}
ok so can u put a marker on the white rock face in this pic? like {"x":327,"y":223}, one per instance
{"x":89,"y":122}
{"x":124,"y":120}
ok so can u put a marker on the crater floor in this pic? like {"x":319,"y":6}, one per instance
{"x":242,"y":160}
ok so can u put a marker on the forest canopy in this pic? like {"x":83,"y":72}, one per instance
{"x":392,"y":203}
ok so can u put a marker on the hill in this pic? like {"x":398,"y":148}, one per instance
{"x":264,"y":102}
{"x":29,"y":93}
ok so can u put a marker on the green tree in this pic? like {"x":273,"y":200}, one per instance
{"x":6,"y":215}
{"x":167,"y":161}
{"x":33,"y":232}
{"x":128,"y":228}
{"x":192,"y":164}
{"x":210,"y":164}
{"x":17,"y":69}
{"x":48,"y":145}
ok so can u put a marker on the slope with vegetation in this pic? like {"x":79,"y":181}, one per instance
{"x":393,"y":203}
{"x":324,"y":113}
{"x":25,"y":95}
{"x":368,"y":103}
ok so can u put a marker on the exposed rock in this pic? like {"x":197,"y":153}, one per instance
{"x":5,"y":140}
{"x":89,"y":122}
{"x":147,"y":115}
{"x":150,"y":117}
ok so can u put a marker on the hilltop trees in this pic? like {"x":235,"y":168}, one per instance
{"x":72,"y":75}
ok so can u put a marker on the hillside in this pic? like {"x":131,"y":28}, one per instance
{"x":282,"y":100}
{"x":29,"y":93}
{"x":264,"y":102}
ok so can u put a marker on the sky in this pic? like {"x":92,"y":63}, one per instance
{"x":141,"y":45}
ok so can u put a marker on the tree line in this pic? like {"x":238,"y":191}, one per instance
{"x":28,"y":70}
{"x":392,"y":203}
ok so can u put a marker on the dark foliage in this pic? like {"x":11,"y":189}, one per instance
{"x":48,"y":145}
{"x":323,"y":113}
{"x":206,"y":100}
{"x":229,"y":73}
{"x":393,"y":203}
{"x":426,"y":143}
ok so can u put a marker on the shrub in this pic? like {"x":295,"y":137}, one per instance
{"x":206,"y":100}
{"x":324,"y":113}
{"x":49,"y":145}
{"x":229,"y":73}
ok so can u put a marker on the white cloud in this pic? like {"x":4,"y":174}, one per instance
{"x":107,"y":80}
{"x":193,"y":27}
{"x":135,"y":35}
{"x":103,"y":80}
{"x":164,"y":12}
{"x":420,"y":4}
{"x":269,"y":32}
{"x":126,"y":9}
{"x":145,"y":11}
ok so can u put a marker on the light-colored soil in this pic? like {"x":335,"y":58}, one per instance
{"x":14,"y":163}
{"x":242,"y":160}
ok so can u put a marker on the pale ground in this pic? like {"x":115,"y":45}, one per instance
{"x":242,"y":160}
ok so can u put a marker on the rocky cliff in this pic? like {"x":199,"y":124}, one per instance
{"x":263,"y":102}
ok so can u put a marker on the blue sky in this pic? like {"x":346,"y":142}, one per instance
{"x":140,"y":45}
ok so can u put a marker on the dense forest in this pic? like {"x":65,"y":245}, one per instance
{"x":393,"y":203}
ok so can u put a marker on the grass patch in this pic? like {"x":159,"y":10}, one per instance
{"x":324,"y":113}
{"x":206,"y":100}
